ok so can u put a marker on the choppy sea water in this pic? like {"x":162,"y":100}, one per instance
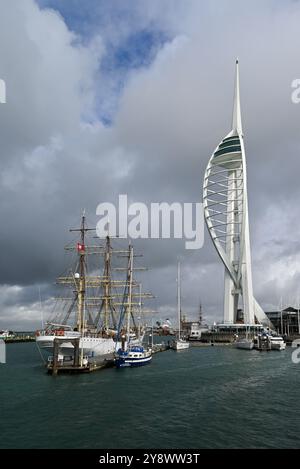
{"x":208,"y":397}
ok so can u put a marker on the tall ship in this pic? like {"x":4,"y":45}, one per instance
{"x":96,"y":298}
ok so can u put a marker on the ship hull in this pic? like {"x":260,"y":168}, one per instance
{"x":135,"y":356}
{"x":245,"y":344}
{"x":92,"y":346}
{"x":278,"y":345}
{"x":180,"y":345}
{"x":131,"y":362}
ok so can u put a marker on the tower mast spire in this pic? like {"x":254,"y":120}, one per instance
{"x":236,"y":114}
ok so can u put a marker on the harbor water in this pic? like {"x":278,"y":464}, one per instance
{"x":204,"y":397}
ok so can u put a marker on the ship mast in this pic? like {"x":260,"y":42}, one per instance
{"x":129,"y":306}
{"x":81,"y":278}
{"x":106,"y":283}
{"x":81,"y":291}
{"x":81,"y":288}
{"x":108,"y":307}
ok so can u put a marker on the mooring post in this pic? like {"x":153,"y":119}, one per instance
{"x":55,"y":357}
{"x":76,"y":352}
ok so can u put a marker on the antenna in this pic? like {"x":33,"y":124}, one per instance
{"x":41,"y":306}
{"x":200,"y":314}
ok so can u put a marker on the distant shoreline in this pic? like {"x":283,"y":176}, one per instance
{"x":19,"y":339}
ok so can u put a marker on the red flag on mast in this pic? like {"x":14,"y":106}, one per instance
{"x":80,"y":247}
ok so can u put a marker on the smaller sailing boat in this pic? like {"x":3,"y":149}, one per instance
{"x":132,"y":353}
{"x":246,"y":343}
{"x":179,"y":343}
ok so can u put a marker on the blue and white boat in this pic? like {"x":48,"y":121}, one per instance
{"x":135,"y":356}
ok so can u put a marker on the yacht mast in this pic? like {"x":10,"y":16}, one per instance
{"x":140,"y":312}
{"x":178,"y":299}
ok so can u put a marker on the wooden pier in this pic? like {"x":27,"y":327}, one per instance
{"x":77,"y":363}
{"x":107,"y":362}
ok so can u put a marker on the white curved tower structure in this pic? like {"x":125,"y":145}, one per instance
{"x":226,"y":215}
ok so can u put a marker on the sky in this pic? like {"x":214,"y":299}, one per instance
{"x":132,"y":97}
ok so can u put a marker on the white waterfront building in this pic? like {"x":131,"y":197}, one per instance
{"x":225,"y":202}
